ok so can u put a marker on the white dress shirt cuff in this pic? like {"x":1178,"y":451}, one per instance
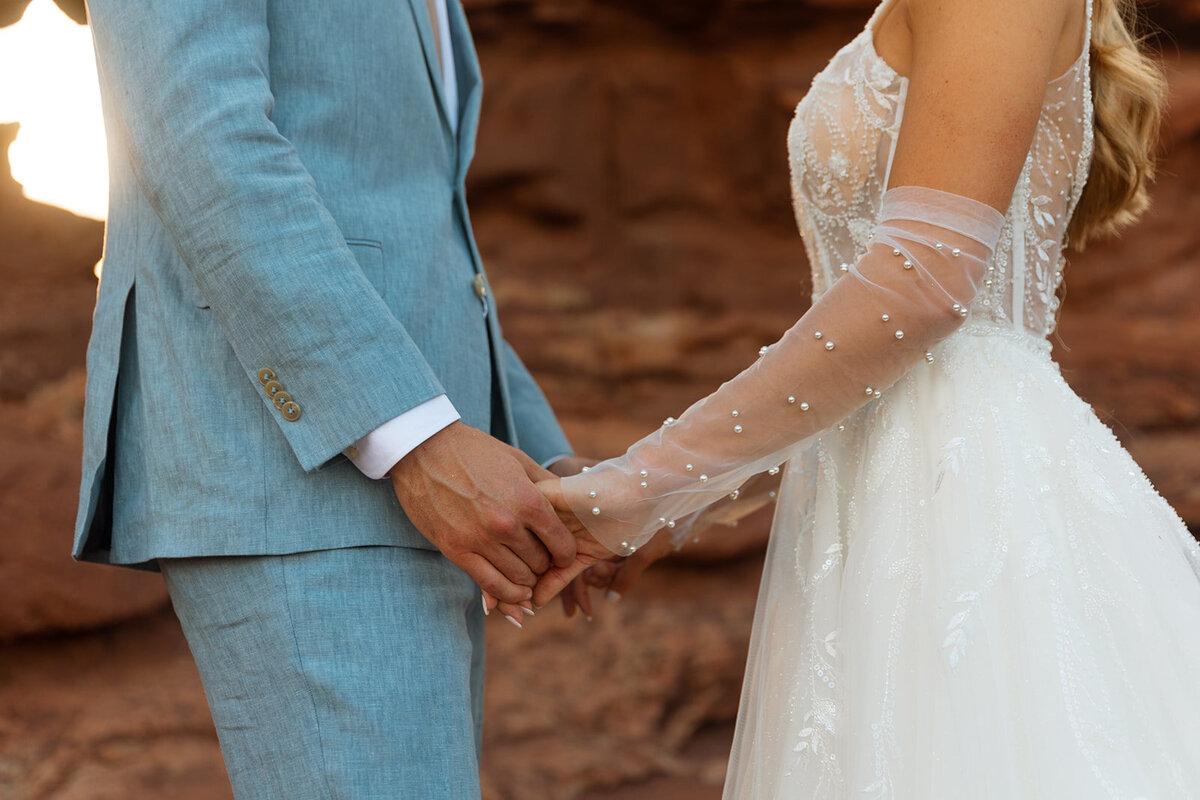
{"x":379,"y":450}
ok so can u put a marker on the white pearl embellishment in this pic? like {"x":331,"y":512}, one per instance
{"x":899,"y":334}
{"x":829,"y":345}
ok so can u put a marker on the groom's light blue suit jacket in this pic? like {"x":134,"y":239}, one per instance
{"x":288,"y":264}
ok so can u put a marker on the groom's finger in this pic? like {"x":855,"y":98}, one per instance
{"x":492,"y":581}
{"x":509,"y":564}
{"x":531,"y":552}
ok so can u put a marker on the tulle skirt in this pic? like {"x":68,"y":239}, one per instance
{"x":972,"y":591}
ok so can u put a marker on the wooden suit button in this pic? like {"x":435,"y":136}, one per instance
{"x":281,"y":399}
{"x":291,"y":411}
{"x":272,"y":388}
{"x":266,"y":375}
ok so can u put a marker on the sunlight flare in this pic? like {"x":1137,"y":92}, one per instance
{"x":50,"y":88}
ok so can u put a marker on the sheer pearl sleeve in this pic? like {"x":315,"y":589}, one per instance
{"x":911,"y":289}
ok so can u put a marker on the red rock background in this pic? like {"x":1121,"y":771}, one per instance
{"x":631,"y":199}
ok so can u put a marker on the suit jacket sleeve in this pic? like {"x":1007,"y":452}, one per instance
{"x":537,"y":430}
{"x":187,"y":83}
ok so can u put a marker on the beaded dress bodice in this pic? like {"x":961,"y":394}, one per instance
{"x":840,"y":146}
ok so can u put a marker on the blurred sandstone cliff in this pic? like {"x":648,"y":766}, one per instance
{"x":631,"y":199}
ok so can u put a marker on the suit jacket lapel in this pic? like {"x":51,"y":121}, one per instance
{"x":470,"y":84}
{"x":420,"y":14}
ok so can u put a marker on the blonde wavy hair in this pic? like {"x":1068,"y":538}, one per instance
{"x":1129,"y":92}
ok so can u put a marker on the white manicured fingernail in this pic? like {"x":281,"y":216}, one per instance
{"x":528,"y":611}
{"x":613,"y":597}
{"x":513,"y":621}
{"x":485,"y":608}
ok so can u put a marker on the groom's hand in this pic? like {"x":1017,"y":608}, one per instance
{"x":474,"y":498}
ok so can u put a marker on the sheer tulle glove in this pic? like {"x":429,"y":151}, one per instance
{"x":912,"y":288}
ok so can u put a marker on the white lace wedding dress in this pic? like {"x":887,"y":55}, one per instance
{"x":971,"y":590}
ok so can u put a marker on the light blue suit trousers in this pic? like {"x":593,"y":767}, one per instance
{"x":288,"y":264}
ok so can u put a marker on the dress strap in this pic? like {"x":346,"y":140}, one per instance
{"x":884,"y":6}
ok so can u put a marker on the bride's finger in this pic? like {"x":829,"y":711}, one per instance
{"x":601,"y":575}
{"x":569,"y":606}
{"x":583,"y":597}
{"x":489,"y":602}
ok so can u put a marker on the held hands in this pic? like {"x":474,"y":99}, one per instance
{"x":474,"y":498}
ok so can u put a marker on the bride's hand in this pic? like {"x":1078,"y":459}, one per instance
{"x":556,"y":579}
{"x":614,"y":576}
{"x":589,"y":551}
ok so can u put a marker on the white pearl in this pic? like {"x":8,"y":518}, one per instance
{"x":804,"y":406}
{"x":878,"y":393}
{"x":586,"y":469}
{"x":734,"y":412}
{"x":818,"y":335}
{"x":625,"y":545}
{"x":791,"y":400}
{"x":907,"y":264}
{"x":737,"y":428}
{"x":899,"y":334}
{"x":929,"y":357}
{"x":704,"y":479}
{"x":644,"y":484}
{"x":773,"y":471}
{"x":689,"y":468}
{"x":829,"y":345}
{"x":886,"y":317}
{"x":844,"y":267}
{"x":592,"y":493}
{"x":662,"y":520}
{"x":644,"y":474}
{"x":841,"y":427}
{"x":895,"y":252}
{"x":938,"y":246}
{"x":956,"y":252}
{"x":734,"y":494}
{"x":870,"y":391}
{"x":595,"y":512}
{"x":762,"y":351}
{"x":671,"y":524}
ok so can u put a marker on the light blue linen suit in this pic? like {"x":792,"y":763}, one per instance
{"x":288,"y":264}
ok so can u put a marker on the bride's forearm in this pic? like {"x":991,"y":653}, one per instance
{"x":909,"y":291}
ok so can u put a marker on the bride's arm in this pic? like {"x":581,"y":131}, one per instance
{"x":979,"y":72}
